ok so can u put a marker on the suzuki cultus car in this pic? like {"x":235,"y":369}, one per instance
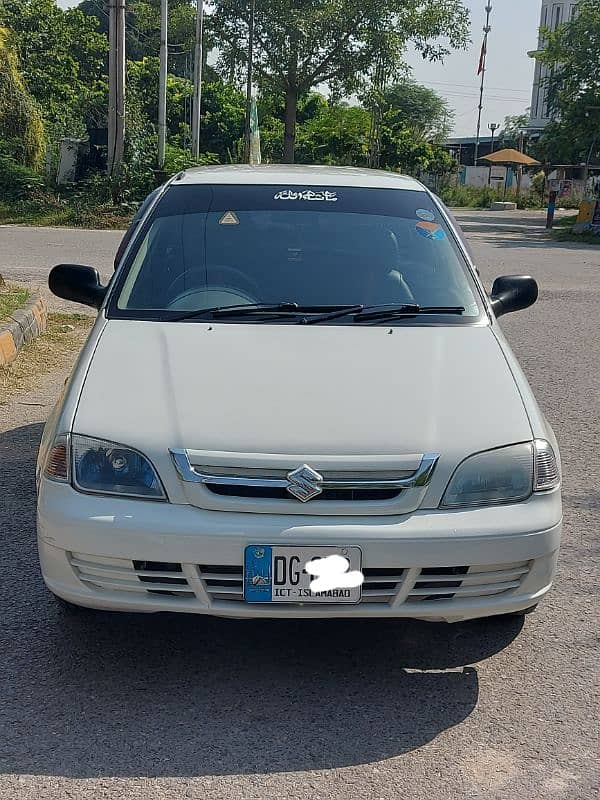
{"x":288,"y":364}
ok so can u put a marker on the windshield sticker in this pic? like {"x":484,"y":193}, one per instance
{"x":424,"y":213}
{"x":430,"y":230}
{"x":229,"y":219}
{"x":323,"y":197}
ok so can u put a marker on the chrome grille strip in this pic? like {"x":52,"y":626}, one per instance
{"x":421,"y":477}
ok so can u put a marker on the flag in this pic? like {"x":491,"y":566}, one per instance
{"x":255,"y":154}
{"x":482,"y":57}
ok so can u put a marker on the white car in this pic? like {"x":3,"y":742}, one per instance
{"x":292,"y":363}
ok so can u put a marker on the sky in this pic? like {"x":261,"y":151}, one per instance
{"x":509,"y":75}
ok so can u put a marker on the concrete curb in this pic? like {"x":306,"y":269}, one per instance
{"x":24,"y":325}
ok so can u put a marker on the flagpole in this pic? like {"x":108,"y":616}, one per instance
{"x":482,"y":65}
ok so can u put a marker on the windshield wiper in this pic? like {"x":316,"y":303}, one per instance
{"x":218,"y":312}
{"x":364,"y":313}
{"x":275,"y":309}
{"x":342,"y":311}
{"x":408,"y":310}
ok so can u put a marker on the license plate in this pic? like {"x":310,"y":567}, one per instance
{"x":274,"y":574}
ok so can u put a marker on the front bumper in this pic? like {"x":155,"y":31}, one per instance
{"x":440,"y":565}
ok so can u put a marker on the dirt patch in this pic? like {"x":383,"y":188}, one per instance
{"x":55,"y":349}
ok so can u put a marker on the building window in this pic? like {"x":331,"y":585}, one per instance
{"x":573,"y":11}
{"x":556,"y":16}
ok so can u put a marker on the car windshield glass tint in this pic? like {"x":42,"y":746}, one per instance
{"x":216,"y":246}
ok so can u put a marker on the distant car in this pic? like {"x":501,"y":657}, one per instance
{"x":288,"y":364}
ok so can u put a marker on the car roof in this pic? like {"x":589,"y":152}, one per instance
{"x":298,"y":175}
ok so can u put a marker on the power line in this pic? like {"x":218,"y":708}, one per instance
{"x":490,"y":97}
{"x":470,"y":86}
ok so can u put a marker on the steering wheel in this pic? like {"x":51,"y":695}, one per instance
{"x":218,"y":277}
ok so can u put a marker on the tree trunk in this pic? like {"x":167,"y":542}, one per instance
{"x":291,"y":110}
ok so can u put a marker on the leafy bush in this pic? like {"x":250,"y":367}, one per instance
{"x":16,"y":181}
{"x":178,"y":159}
{"x":19,"y":115}
{"x":470,"y":196}
{"x":483,"y":197}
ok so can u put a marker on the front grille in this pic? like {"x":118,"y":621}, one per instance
{"x":382,"y":584}
{"x":447,"y":583}
{"x":392,"y":586}
{"x":350,"y":495}
{"x":147,"y":577}
{"x":223,"y":583}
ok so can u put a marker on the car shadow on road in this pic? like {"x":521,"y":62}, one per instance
{"x":98,"y":694}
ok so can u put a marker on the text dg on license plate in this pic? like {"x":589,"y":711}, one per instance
{"x":274,"y":574}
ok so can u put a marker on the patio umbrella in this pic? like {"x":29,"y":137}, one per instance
{"x":511,"y":158}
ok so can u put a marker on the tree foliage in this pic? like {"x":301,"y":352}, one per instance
{"x":513,"y":125}
{"x":572,"y":53}
{"x":417,"y":108}
{"x":223,"y":107}
{"x":337,"y":135}
{"x":21,"y":126}
{"x":301,"y":44}
{"x":62,"y":56}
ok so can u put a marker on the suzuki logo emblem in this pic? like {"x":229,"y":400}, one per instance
{"x":304,"y":483}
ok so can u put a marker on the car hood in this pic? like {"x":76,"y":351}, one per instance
{"x":253,"y":388}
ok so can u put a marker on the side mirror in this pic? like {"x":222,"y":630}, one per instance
{"x":77,"y":283}
{"x":513,"y":293}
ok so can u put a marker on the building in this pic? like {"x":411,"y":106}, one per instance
{"x":463,"y":148}
{"x":553,"y":14}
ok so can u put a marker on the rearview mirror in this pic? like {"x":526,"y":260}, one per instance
{"x":77,"y":283}
{"x":513,"y":293}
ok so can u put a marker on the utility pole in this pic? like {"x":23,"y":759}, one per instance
{"x":198,"y":64}
{"x":116,"y":85}
{"x":482,"y":66}
{"x":162,"y":83}
{"x":493,"y":126}
{"x":249,"y":80}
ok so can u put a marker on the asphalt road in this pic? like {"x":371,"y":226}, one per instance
{"x":109,"y":706}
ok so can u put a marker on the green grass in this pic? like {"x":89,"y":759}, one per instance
{"x":11,"y":298}
{"x":563,"y":232}
{"x":62,"y":215}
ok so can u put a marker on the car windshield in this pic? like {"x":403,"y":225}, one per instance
{"x":209,"y":247}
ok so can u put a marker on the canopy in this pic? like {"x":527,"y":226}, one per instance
{"x":510,"y":156}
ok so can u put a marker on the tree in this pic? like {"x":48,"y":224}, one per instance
{"x":513,"y":126}
{"x":572,"y":53}
{"x":62,"y":57}
{"x":419,"y":109}
{"x":301,"y":44}
{"x":21,"y":127}
{"x":337,"y":135}
{"x":223,"y":107}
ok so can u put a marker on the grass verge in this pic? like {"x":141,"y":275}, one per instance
{"x":563,"y":232}
{"x":11,"y":298}
{"x":55,"y":349}
{"x":63,"y":215}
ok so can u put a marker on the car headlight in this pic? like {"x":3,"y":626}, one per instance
{"x":506,"y":475}
{"x":107,"y":468}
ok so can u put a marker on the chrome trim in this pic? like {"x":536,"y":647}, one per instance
{"x":420,"y":478}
